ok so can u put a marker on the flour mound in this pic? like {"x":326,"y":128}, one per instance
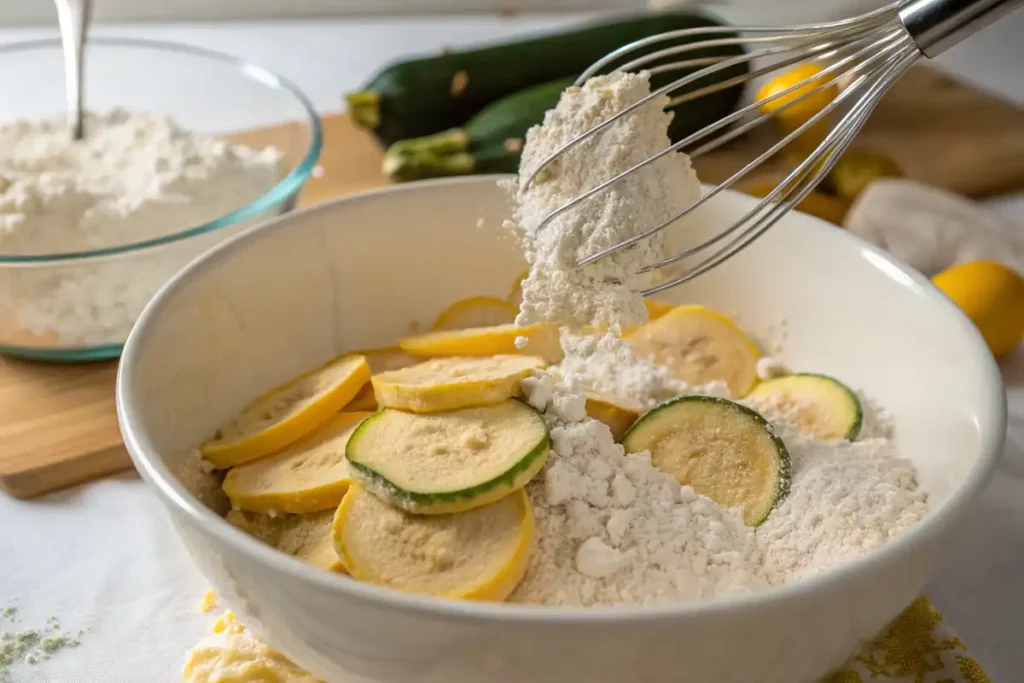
{"x":603,"y":293}
{"x":606,"y":363}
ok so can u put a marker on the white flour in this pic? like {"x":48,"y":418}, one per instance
{"x":602,"y":293}
{"x":132,"y":178}
{"x":612,"y":529}
{"x":606,"y":363}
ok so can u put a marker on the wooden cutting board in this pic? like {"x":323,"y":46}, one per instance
{"x":57,"y":422}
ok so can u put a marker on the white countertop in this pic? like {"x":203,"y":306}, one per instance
{"x":99,"y":555}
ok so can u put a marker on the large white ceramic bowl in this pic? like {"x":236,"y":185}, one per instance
{"x":358,"y":272}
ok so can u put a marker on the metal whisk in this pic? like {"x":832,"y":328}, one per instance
{"x":867,"y":54}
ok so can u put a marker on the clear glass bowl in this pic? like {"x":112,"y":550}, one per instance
{"x":80,"y":306}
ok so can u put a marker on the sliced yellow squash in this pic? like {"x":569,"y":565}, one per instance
{"x":309,"y":475}
{"x":616,"y":412}
{"x":438,"y":463}
{"x":481,"y":554}
{"x":364,"y":401}
{"x":656,"y":309}
{"x":476,"y":311}
{"x":819,"y":406}
{"x":542,"y":340}
{"x":722,"y":449}
{"x":455,"y":382}
{"x":699,"y":346}
{"x":515,"y":295}
{"x":306,"y":537}
{"x":387,"y":358}
{"x":287,"y":413}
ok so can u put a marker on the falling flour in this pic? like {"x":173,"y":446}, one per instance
{"x":602,"y":293}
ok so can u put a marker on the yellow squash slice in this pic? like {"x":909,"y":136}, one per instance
{"x":656,"y":309}
{"x":287,"y":413}
{"x":487,"y":341}
{"x":438,"y":463}
{"x":515,"y":295}
{"x":477,"y":311}
{"x":477,"y":555}
{"x":616,"y":412}
{"x":306,"y":537}
{"x":722,"y":449}
{"x":454,"y":382}
{"x":387,"y":358}
{"x":309,"y":475}
{"x":817,"y":405}
{"x":364,"y":401}
{"x":699,"y":346}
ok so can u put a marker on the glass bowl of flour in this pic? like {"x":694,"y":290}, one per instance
{"x":183,"y":148}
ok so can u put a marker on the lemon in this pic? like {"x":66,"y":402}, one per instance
{"x":992,"y":296}
{"x":803,"y":103}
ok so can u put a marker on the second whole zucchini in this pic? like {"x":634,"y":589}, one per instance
{"x":492,"y":141}
{"x":428,"y":95}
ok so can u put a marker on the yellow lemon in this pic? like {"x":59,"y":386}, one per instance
{"x":992,"y":296}
{"x":804,"y":102}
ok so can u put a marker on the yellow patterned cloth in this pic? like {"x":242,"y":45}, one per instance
{"x":918,"y":647}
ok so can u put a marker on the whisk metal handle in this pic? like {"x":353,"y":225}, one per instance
{"x":936,"y":25}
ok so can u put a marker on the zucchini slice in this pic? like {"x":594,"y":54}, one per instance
{"x":616,"y":412}
{"x":306,"y":537}
{"x":287,"y":413}
{"x":699,"y":346}
{"x":309,"y":475}
{"x":722,"y":449}
{"x":456,"y":382}
{"x":441,"y":463}
{"x":818,"y":405}
{"x":477,"y":555}
{"x":476,"y":311}
{"x":542,"y":340}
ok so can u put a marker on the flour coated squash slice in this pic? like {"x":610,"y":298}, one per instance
{"x":288,"y":412}
{"x":456,"y":382}
{"x":542,"y":340}
{"x":723,"y":450}
{"x":480,"y":554}
{"x":309,"y":475}
{"x":384,"y":358}
{"x":476,"y":311}
{"x":819,"y":406}
{"x":515,"y":295}
{"x":439,"y":463}
{"x":306,"y":537}
{"x":699,"y":346}
{"x":364,"y":401}
{"x":616,"y":412}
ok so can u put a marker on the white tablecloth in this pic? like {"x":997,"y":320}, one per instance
{"x":102,"y":557}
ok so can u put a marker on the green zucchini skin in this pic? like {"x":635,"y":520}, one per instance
{"x":416,"y":97}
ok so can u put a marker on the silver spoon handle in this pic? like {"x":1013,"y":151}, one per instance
{"x":73,"y":16}
{"x":936,"y":25}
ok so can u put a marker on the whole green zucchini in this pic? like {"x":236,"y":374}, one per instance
{"x":421,"y":96}
{"x":491,"y":141}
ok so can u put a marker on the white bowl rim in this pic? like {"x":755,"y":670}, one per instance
{"x":992,"y":431}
